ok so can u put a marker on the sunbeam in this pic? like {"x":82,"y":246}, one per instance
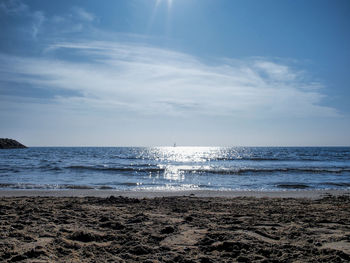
{"x":157,"y":5}
{"x":169,"y":2}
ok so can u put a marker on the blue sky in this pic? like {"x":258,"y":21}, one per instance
{"x":155,"y":72}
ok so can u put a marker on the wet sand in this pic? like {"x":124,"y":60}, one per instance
{"x":174,"y":229}
{"x":311,"y":194}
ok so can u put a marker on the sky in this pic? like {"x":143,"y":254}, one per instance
{"x":194,"y":72}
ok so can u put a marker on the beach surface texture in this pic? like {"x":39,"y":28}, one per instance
{"x":174,"y":229}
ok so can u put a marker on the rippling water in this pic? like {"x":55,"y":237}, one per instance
{"x":176,"y":168}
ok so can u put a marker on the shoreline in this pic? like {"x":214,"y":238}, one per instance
{"x":309,"y":194}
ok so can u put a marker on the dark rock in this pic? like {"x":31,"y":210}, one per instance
{"x":10,"y":144}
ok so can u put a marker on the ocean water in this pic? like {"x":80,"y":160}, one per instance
{"x":176,"y":168}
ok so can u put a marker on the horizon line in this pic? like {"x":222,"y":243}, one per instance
{"x":189,"y":146}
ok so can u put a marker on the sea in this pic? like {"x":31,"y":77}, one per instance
{"x":176,"y":168}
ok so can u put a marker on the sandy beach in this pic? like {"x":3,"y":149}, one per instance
{"x":39,"y":227}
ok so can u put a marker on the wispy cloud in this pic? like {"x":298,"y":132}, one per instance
{"x":148,"y":80}
{"x":83,"y":14}
{"x":18,"y":9}
{"x":76,"y":19}
{"x":38,"y":19}
{"x":36,"y":22}
{"x":13,"y":7}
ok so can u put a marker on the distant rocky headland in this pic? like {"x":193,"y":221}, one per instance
{"x":10,"y":144}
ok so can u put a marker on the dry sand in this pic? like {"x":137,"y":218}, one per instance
{"x":174,"y":229}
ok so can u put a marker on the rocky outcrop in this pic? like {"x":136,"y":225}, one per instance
{"x":10,"y":144}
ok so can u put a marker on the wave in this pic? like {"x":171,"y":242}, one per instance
{"x":247,"y":159}
{"x":51,"y":186}
{"x":267,"y":170}
{"x":42,"y":186}
{"x":117,"y":169}
{"x":75,"y":187}
{"x":293,"y":186}
{"x":235,"y":158}
{"x":213,"y":170}
{"x":307,"y":158}
{"x":150,"y":169}
{"x":337,"y":184}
